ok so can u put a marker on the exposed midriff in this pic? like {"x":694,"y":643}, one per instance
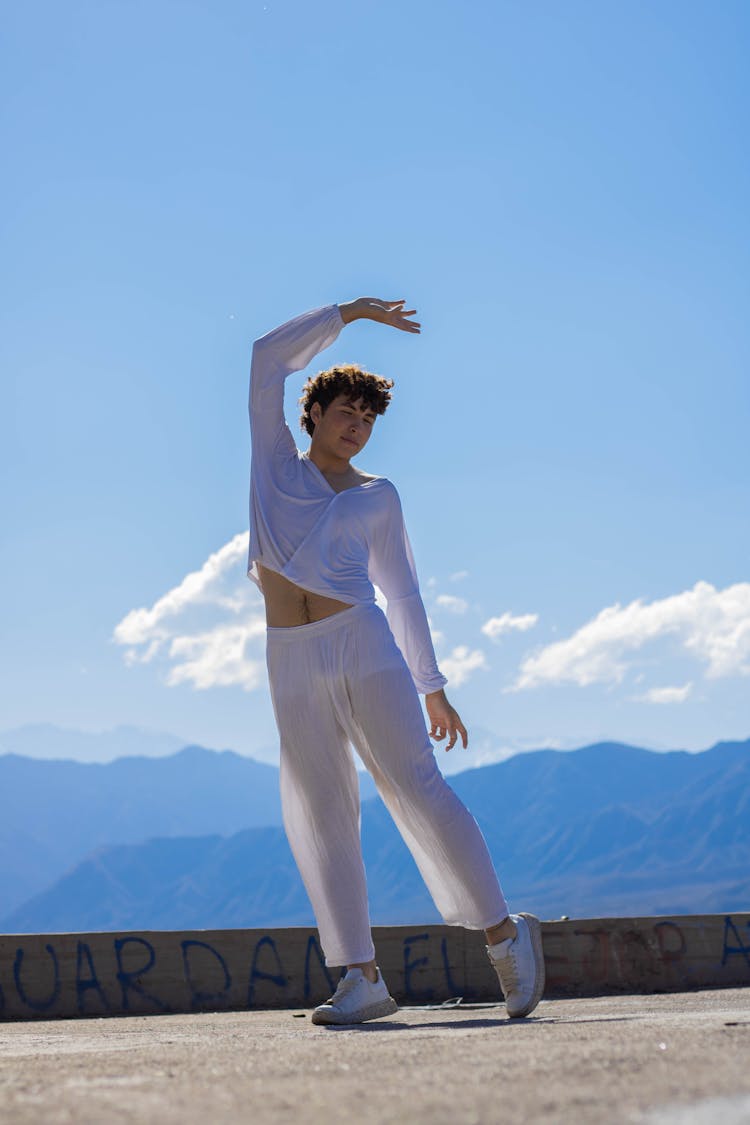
{"x":288,"y":605}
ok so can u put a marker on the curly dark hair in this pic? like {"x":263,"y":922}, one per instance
{"x":344,"y":379}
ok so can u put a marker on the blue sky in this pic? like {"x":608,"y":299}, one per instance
{"x":560,"y":190}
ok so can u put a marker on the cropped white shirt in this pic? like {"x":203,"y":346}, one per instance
{"x":332,"y":543}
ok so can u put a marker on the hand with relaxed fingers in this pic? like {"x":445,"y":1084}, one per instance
{"x":445,"y":720}
{"x":385,"y":312}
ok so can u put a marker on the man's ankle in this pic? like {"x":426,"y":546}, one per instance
{"x":505,"y":929}
{"x":369,"y":968}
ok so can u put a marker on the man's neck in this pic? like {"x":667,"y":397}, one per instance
{"x":329,"y":464}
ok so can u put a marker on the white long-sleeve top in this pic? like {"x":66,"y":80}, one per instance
{"x":332,"y":543}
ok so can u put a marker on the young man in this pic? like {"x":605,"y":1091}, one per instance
{"x":342,"y":672}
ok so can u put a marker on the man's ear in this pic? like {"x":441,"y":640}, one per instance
{"x":315,"y":412}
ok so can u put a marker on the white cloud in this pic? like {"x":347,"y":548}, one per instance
{"x":461,"y":664}
{"x":666,"y":694}
{"x":497,"y":626}
{"x":458,"y":576}
{"x":452,"y":603}
{"x":711,"y":625}
{"x":204,"y":626}
{"x":200,"y":587}
{"x":217,"y":658}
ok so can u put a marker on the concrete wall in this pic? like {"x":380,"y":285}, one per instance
{"x":102,"y":974}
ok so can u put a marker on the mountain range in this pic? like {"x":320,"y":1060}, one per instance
{"x":55,"y":812}
{"x":194,"y":840}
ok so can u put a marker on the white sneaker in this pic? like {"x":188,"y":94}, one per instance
{"x":355,"y":1000}
{"x":519,"y":964}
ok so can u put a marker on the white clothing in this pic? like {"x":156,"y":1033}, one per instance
{"x":334,"y":544}
{"x":343,"y":679}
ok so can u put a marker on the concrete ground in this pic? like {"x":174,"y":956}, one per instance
{"x":661,"y":1060}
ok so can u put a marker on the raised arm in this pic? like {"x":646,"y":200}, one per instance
{"x":291,"y":347}
{"x":275,"y":356}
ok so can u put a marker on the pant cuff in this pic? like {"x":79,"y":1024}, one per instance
{"x":335,"y":961}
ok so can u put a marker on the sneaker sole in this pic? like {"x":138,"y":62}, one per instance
{"x":371,"y":1012}
{"x":535,"y":932}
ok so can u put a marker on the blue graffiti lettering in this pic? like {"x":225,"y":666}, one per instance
{"x":279,"y":978}
{"x":677,"y":952}
{"x":83,"y":985}
{"x":131,"y":981}
{"x":37,"y":1005}
{"x":202,"y":1000}
{"x":453,"y":989}
{"x":313,"y":947}
{"x":410,"y":966}
{"x":738,"y":950}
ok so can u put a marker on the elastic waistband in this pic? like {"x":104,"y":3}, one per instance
{"x":290,"y":633}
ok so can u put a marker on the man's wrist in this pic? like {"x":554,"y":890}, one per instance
{"x":350,"y":310}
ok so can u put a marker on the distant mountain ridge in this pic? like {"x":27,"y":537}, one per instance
{"x":607,"y":829}
{"x":49,"y":741}
{"x":54,"y":812}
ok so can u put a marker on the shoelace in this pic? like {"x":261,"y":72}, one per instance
{"x":507,"y":970}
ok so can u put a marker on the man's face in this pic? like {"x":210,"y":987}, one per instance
{"x":345,"y":427}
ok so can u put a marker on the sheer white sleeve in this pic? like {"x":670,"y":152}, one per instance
{"x":274,"y":454}
{"x":276,"y":355}
{"x":392,"y":568}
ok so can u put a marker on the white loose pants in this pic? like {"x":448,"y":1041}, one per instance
{"x":344,"y":680}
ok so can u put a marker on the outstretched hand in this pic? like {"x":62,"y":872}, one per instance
{"x":385,"y":312}
{"x":445,"y":720}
